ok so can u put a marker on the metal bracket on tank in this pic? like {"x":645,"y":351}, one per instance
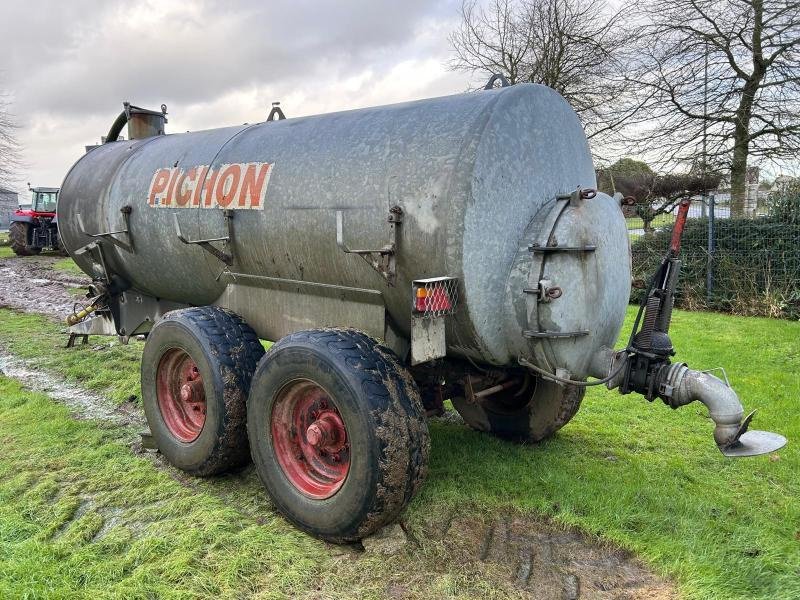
{"x":383,"y":259}
{"x":108,"y":236}
{"x":207,"y":244}
{"x":276,"y":114}
{"x":496,"y":77}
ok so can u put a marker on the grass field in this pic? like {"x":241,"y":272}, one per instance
{"x":67,"y":265}
{"x":659,"y":221}
{"x":642,"y":476}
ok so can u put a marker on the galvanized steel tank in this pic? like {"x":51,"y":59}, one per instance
{"x":476,"y":176}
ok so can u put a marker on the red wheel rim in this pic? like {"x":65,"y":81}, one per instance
{"x":181,"y":395}
{"x":310,"y":439}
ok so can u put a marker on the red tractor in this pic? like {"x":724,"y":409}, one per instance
{"x":34,"y":229}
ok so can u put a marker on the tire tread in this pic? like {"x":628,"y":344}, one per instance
{"x":382,"y":377}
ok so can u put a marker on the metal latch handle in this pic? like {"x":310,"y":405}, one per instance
{"x":207,"y":244}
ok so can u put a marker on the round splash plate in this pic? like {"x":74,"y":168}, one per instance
{"x":753,"y":443}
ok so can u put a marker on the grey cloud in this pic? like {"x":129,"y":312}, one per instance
{"x":93,"y":54}
{"x":69,"y":64}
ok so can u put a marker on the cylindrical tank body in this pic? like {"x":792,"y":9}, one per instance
{"x":476,"y":176}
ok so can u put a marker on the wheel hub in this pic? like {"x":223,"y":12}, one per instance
{"x":181,"y":395}
{"x":310,"y":439}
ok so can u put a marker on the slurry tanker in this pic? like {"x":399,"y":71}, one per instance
{"x":398,"y":256}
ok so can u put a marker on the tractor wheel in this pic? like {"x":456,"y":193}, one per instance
{"x":19,"y":234}
{"x":197,"y":366}
{"x":523,"y":417}
{"x":337,"y":432}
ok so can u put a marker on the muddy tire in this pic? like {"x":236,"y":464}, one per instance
{"x":197,"y":366}
{"x":337,"y":433}
{"x":19,"y":235}
{"x":531,"y":418}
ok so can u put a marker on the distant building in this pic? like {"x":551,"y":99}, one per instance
{"x":752,"y":180}
{"x":782,"y":182}
{"x":9,"y":201}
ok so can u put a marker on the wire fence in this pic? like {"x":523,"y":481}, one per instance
{"x":744,"y":261}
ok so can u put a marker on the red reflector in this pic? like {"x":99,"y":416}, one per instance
{"x":434,"y":297}
{"x":439,"y":300}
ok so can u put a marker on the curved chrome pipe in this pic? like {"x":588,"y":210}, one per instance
{"x":678,"y":385}
{"x":682,"y":386}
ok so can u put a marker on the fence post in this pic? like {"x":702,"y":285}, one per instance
{"x":711,"y":249}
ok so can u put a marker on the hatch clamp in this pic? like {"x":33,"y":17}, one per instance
{"x":224,"y":255}
{"x":108,"y":236}
{"x":383,"y":259}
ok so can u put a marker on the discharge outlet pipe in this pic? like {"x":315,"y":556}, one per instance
{"x":645,"y":367}
{"x":723,"y":403}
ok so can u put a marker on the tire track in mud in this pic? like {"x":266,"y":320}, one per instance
{"x":549,"y":562}
{"x":83,"y":404}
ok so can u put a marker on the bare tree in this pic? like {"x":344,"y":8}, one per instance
{"x":9,"y":147}
{"x":568,"y":45}
{"x":747,"y":52}
{"x":650,"y":194}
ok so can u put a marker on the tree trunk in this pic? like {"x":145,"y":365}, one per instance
{"x":741,"y":133}
{"x":738,"y":176}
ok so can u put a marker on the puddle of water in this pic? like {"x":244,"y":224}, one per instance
{"x":82,"y":402}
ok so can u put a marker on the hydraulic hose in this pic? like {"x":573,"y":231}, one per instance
{"x":576,"y":382}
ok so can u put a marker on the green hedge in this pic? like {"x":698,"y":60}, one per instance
{"x":756,"y":265}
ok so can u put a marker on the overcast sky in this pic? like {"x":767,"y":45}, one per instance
{"x":68,"y":65}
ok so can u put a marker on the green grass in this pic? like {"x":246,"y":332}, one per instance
{"x":643,"y":476}
{"x":81,"y":516}
{"x":651,"y":479}
{"x":111,"y":368}
{"x":659,"y":221}
{"x":67,"y":265}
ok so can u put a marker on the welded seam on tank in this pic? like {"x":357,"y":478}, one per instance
{"x":135,"y":151}
{"x":486,"y":114}
{"x":206,"y":257}
{"x":113,"y":178}
{"x":77,"y":162}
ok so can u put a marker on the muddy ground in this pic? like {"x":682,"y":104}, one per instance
{"x":540,"y":559}
{"x":32,"y":284}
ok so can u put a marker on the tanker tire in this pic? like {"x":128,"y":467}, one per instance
{"x":61,"y":250}
{"x":386,"y":428}
{"x":226,"y":351}
{"x":19,"y":235}
{"x":550,"y":408}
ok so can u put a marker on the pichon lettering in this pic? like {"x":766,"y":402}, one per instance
{"x":237,"y":185}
